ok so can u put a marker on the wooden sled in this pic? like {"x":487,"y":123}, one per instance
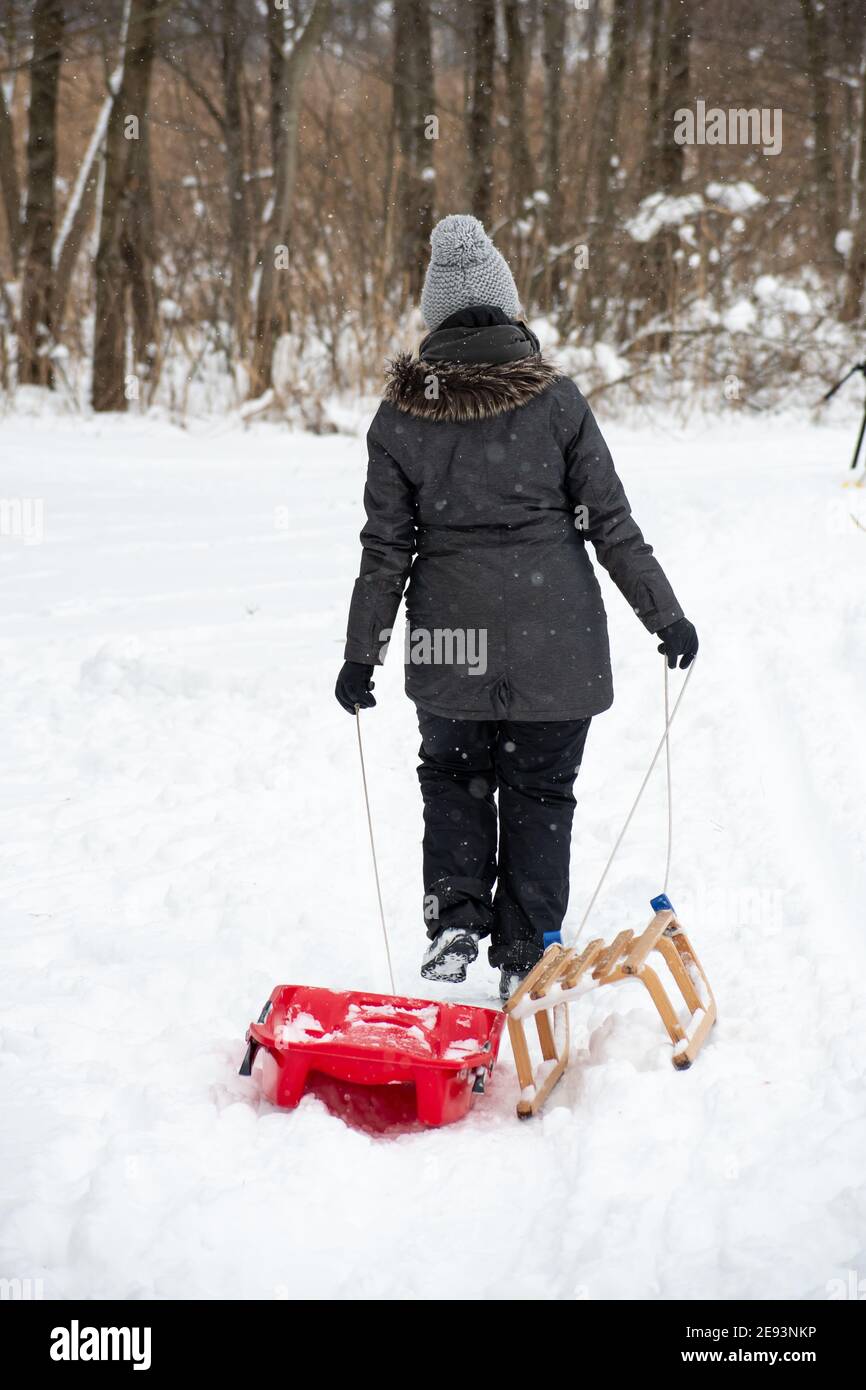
{"x":563,"y":975}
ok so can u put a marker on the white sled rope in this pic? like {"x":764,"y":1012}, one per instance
{"x":564,"y":974}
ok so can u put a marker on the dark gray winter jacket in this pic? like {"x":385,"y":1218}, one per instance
{"x":485,"y":480}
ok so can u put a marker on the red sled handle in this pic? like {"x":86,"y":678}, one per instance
{"x":256,"y":1038}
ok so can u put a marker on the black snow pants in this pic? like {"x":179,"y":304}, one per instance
{"x":532,"y":766}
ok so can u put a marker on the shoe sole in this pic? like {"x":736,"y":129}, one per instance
{"x":442,"y":971}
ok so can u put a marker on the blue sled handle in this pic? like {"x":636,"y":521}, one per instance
{"x":661,"y":903}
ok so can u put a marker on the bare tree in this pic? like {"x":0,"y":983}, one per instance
{"x":124,"y":255}
{"x":482,"y":54}
{"x":815,"y":16}
{"x":553,"y":58}
{"x":9,"y":190}
{"x":425,"y":108}
{"x":231,"y":107}
{"x":79,"y":211}
{"x":676,"y":93}
{"x":288,"y":74}
{"x":652,"y":132}
{"x":35,"y":328}
{"x":659,"y":266}
{"x":138,"y":241}
{"x":517,"y":61}
{"x":414,"y":104}
{"x":856,"y":268}
{"x":606,"y":160}
{"x":232,"y":36}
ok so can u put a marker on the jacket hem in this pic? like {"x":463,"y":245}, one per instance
{"x":528,"y":716}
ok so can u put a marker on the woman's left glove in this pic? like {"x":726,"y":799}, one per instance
{"x":679,"y":639}
{"x":354,"y":686}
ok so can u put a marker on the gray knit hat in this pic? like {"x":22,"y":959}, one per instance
{"x":465,"y":269}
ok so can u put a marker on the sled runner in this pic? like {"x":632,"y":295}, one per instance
{"x":446,"y":1051}
{"x":563,"y":974}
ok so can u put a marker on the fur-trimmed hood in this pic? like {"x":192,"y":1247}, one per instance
{"x":459,"y":391}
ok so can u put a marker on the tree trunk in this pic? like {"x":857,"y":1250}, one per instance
{"x":553,"y":56}
{"x":78,"y":216}
{"x":815,"y":16}
{"x":286,"y":103}
{"x":856,"y":270}
{"x":425,"y":106}
{"x":9,"y":190}
{"x":124,"y":251}
{"x":276,"y":37}
{"x":414,"y":101}
{"x":659,"y":266}
{"x":35,"y":329}
{"x":480,"y":121}
{"x":614,"y":86}
{"x":81,"y":206}
{"x":653,"y":138}
{"x":138,"y":247}
{"x":677,"y":92}
{"x":402,"y":113}
{"x":517,"y":55}
{"x":232,"y":39}
{"x":605,"y":170}
{"x":588,"y":138}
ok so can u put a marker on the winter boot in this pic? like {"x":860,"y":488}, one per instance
{"x":449,"y":953}
{"x":509,"y":979}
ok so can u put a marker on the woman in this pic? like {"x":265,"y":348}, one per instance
{"x":487,"y":475}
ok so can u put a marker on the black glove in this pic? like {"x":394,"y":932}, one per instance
{"x":679,"y":639}
{"x":354,"y":686}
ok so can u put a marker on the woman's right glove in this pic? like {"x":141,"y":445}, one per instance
{"x":679,"y":639}
{"x":355,"y":687}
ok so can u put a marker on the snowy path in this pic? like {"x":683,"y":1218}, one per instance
{"x":182,"y":828}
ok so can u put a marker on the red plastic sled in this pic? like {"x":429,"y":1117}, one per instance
{"x":446,"y":1051}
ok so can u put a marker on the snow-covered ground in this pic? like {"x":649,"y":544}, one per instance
{"x":183,"y":827}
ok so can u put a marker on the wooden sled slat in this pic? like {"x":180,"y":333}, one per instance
{"x":611,"y":953}
{"x":579,"y":966}
{"x":646,"y":942}
{"x":555,"y":962}
{"x":527,"y":986}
